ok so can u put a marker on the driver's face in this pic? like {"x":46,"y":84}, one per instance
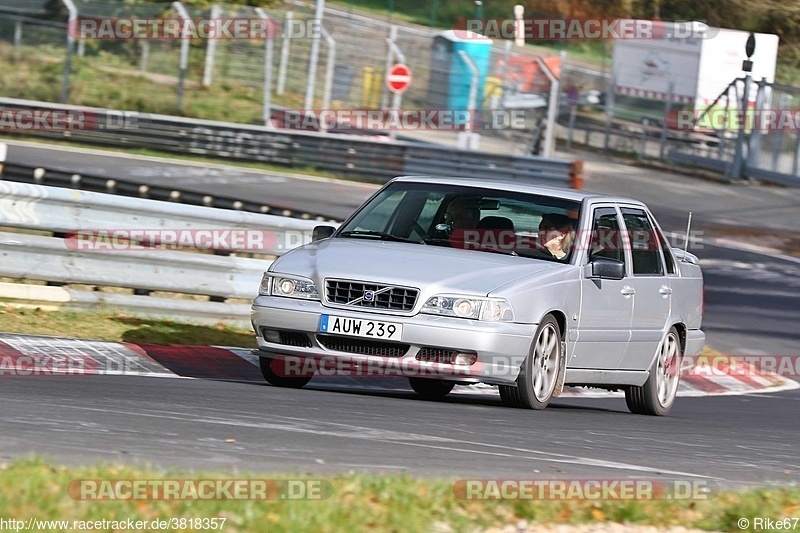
{"x":549,"y":237}
{"x":462,"y":217}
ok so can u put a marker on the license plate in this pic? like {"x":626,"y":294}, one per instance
{"x":355,"y":327}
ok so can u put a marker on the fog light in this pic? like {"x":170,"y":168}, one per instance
{"x":270,"y":335}
{"x":465,"y":359}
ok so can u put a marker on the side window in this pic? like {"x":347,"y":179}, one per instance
{"x":645,"y":249}
{"x":606,"y":235}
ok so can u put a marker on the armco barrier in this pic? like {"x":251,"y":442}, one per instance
{"x":58,"y":211}
{"x":362,"y":157}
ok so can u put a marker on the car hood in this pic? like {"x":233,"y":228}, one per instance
{"x":433,"y":269}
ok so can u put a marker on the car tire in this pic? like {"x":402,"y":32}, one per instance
{"x":657,"y":395}
{"x":538,"y":375}
{"x":432,"y":389}
{"x":275,"y":378}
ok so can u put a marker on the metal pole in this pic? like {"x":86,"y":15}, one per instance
{"x":610,"y":109}
{"x":17,"y":34}
{"x":285,"y":45}
{"x":796,"y":161}
{"x":662,"y":146}
{"x":145,"y":56}
{"x":329,"y":69}
{"x":642,"y":140}
{"x":389,"y":61}
{"x":312,"y":66}
{"x":504,"y":74}
{"x":738,"y":158}
{"x":268,"y":57}
{"x":754,"y":148}
{"x":552,"y":106}
{"x":73,"y":15}
{"x":394,"y":52}
{"x":473,"y":94}
{"x":184,"y":60}
{"x":211,"y":50}
{"x":572,"y":110}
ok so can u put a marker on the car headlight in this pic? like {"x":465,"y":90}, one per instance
{"x":489,"y":309}
{"x":288,"y":287}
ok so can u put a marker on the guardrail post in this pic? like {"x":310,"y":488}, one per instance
{"x":211,"y":51}
{"x":3,"y":154}
{"x":576,"y":175}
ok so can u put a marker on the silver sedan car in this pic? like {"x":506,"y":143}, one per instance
{"x":456,"y":281}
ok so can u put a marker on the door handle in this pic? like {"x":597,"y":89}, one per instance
{"x":666,"y":291}
{"x":628,"y":291}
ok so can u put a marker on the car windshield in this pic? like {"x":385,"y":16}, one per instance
{"x":469,"y":218}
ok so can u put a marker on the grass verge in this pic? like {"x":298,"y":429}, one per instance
{"x":120,"y":327}
{"x":33,"y":488}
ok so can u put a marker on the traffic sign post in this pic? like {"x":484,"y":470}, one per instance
{"x":398,"y":80}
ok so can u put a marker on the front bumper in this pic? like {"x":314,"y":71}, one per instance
{"x":501,"y":347}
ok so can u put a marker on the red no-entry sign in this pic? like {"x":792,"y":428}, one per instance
{"x":398,"y":79}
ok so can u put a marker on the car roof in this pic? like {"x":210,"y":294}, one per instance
{"x":507,"y":185}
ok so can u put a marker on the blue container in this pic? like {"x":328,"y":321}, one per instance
{"x":450,"y":78}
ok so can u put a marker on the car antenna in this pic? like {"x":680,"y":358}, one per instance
{"x":686,"y":244}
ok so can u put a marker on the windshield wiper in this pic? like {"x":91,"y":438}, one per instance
{"x":381,"y":234}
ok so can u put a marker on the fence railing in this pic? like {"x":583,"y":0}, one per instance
{"x":366,"y":158}
{"x":99,"y":240}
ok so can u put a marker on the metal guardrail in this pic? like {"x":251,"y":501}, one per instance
{"x":54,"y":259}
{"x":88,"y":182}
{"x":366,"y":158}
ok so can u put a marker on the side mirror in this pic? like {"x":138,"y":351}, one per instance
{"x":322,"y":232}
{"x":607,"y":268}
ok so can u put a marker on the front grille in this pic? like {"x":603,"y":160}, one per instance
{"x":288,"y":338}
{"x":436,"y":355}
{"x":383,"y":296}
{"x":362,"y":346}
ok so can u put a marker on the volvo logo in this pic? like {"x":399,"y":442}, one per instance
{"x":369,"y":296}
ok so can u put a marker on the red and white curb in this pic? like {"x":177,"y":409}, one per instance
{"x":32,"y":355}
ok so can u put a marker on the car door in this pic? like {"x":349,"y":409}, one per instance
{"x":606,"y":309}
{"x":653,"y":299}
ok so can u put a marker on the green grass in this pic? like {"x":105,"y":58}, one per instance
{"x":108,"y":81}
{"x":34,"y":488}
{"x":120,"y":327}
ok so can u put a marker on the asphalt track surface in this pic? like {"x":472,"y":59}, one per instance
{"x":752,"y":307}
